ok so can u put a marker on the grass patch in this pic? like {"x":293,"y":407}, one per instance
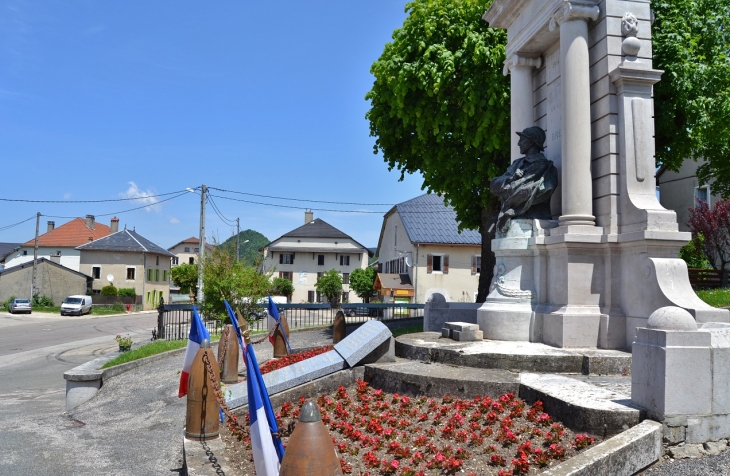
{"x":715,"y":297}
{"x":407,"y":330}
{"x":147,"y":350}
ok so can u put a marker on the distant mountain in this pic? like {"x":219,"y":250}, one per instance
{"x":249,"y":251}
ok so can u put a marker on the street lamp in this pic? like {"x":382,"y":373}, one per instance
{"x":201,"y":252}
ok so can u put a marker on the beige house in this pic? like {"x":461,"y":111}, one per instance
{"x":187,"y":251}
{"x":680,"y":191}
{"x":126,"y":259}
{"x":52,"y":280}
{"x":420,"y":244}
{"x":304,"y":254}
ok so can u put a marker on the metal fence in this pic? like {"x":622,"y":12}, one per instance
{"x":173,"y":320}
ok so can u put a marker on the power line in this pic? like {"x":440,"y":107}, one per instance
{"x":291,"y":206}
{"x":92,"y":201}
{"x":7,"y":227}
{"x":219,"y":213}
{"x":303,"y":200}
{"x":184,"y":192}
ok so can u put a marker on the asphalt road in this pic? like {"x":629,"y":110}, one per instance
{"x":37,"y":437}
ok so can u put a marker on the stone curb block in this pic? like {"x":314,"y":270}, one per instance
{"x":624,"y":454}
{"x":204,"y":457}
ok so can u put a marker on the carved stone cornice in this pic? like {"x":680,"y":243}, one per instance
{"x":515,"y":61}
{"x":573,"y":11}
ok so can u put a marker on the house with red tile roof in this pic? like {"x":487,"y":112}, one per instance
{"x":58,"y":244}
{"x":188,"y":251}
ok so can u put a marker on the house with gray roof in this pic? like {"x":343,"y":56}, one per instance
{"x":127,"y":259}
{"x":421,"y":244}
{"x":307,"y":252}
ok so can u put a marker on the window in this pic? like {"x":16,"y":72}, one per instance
{"x":476,"y":264}
{"x":344,"y":260}
{"x":187,"y":249}
{"x":164,"y":275}
{"x":437,"y":263}
{"x":310,"y":296}
{"x":197,"y":250}
{"x":191,"y":260}
{"x":286,"y":275}
{"x":702,"y":194}
{"x":285,"y":258}
{"x":157,"y":263}
{"x":175,"y":261}
{"x":96,"y":272}
{"x":157,"y":275}
{"x":345,"y":278}
{"x":320,"y":260}
{"x":131,"y":273}
{"x":319,"y":275}
{"x":346,"y":297}
{"x":149,"y":274}
{"x":25,"y":252}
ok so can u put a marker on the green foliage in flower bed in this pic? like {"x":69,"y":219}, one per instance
{"x":715,"y":297}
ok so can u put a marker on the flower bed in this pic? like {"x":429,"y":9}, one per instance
{"x":377,"y":433}
{"x":282,"y":362}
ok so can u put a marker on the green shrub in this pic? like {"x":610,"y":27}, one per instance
{"x":118,"y":306}
{"x":693,"y":253}
{"x":109,"y":291}
{"x":41,"y":300}
{"x":129,"y":292}
{"x":6,"y":304}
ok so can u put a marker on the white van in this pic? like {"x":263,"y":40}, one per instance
{"x":76,"y":305}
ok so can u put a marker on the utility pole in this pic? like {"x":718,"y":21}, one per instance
{"x":238,"y":239}
{"x":35,"y":255}
{"x":201,"y":253}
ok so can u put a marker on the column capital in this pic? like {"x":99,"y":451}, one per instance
{"x":572,"y":10}
{"x":517,"y":60}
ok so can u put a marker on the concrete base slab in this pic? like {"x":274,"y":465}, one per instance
{"x":203,"y":458}
{"x":515,"y":356}
{"x":579,"y":405}
{"x":623,"y":455}
{"x":436,"y":380}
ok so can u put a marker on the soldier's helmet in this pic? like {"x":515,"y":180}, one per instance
{"x":536,"y":135}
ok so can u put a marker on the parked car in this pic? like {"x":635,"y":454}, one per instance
{"x":20,"y":305}
{"x":76,"y":305}
{"x":361,"y":311}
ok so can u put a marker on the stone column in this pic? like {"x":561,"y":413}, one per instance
{"x":522,"y":104}
{"x":577,"y":185}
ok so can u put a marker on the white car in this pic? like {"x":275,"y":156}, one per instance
{"x":20,"y":305}
{"x":76,"y":305}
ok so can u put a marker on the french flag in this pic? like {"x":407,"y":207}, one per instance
{"x":273,"y":320}
{"x":267,"y":449}
{"x":198,"y":332}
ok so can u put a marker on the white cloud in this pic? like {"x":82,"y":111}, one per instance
{"x":67,"y":196}
{"x":174,"y":220}
{"x":143,"y":196}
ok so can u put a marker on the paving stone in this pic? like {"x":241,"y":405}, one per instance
{"x":446,"y":333}
{"x":468,"y":335}
{"x":461,"y":326}
{"x":686,"y":451}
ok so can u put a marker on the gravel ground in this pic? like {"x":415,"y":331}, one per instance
{"x":707,"y":465}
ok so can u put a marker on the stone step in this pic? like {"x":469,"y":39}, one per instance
{"x":515,"y":356}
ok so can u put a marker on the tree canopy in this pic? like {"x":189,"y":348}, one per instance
{"x":692,"y":101}
{"x":330,"y":284}
{"x":282,"y":287}
{"x":185,"y":276}
{"x":440,"y":107}
{"x":249,"y":252}
{"x":361,"y":282}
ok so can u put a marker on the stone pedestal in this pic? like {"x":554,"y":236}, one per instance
{"x":509,"y":311}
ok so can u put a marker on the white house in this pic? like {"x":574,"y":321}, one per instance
{"x":420,"y":250}
{"x":304,"y":254}
{"x":59,"y":244}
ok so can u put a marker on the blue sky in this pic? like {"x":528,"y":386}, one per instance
{"x":108,"y":100}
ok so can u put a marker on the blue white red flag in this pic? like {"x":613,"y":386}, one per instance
{"x":234,"y":321}
{"x":198,"y":332}
{"x":268,"y":451}
{"x":274,"y":319}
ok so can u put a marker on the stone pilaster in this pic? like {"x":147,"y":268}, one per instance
{"x":521,"y":69}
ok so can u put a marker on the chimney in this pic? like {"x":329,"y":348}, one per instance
{"x":115,"y":225}
{"x":51,"y":226}
{"x":91,"y":239}
{"x":308,"y":216}
{"x":90,"y":222}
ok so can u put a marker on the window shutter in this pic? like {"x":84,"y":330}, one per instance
{"x":473,"y":264}
{"x":445,"y":264}
{"x":341,"y":260}
{"x":292,"y":257}
{"x":281,"y":258}
{"x":429,"y":264}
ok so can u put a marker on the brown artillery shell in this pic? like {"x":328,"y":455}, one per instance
{"x":280,"y":348}
{"x":202,"y":420}
{"x":338,"y":328}
{"x":229,"y":371}
{"x":310,"y":452}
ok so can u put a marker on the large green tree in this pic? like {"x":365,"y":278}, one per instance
{"x":185,"y":276}
{"x":440,"y":107}
{"x":691,"y":43}
{"x":362,"y":281}
{"x":330,"y":284}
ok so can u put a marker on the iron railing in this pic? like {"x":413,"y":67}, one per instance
{"x":173,"y":321}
